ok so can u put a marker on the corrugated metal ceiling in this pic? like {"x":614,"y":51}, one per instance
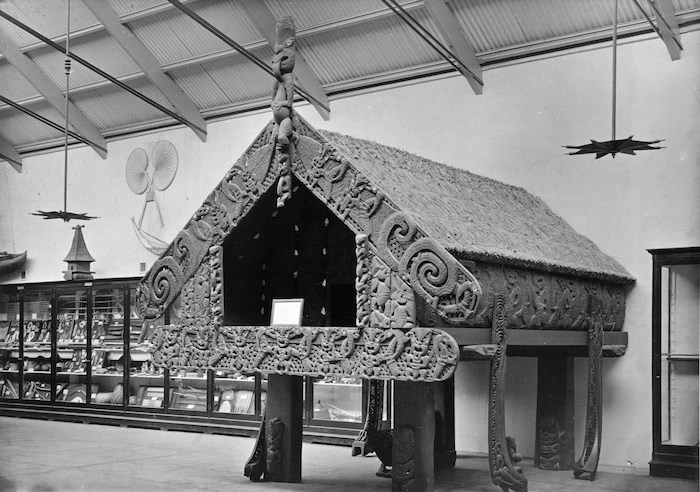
{"x":347,"y":45}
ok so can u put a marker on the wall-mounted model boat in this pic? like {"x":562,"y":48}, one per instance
{"x":11,"y":261}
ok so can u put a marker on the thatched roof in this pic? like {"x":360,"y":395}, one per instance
{"x":478,"y":218}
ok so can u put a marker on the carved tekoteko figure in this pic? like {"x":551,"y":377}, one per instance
{"x":282,"y":99}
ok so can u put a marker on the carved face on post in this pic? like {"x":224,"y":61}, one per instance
{"x":284,"y":58}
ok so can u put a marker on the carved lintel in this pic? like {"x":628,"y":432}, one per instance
{"x":502,"y":454}
{"x":588,"y":462}
{"x":418,"y":354}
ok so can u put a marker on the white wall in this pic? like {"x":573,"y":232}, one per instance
{"x":514,"y":132}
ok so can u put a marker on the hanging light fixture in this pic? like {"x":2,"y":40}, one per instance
{"x":65,"y":214}
{"x":613,"y":147}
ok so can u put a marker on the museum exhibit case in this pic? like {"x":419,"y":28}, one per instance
{"x":79,"y":351}
{"x":675,"y":344}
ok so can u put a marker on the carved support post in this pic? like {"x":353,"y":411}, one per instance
{"x":588,"y":462}
{"x":502,"y":453}
{"x":445,"y":453}
{"x":554,"y":435}
{"x":414,"y":437}
{"x":283,"y":411}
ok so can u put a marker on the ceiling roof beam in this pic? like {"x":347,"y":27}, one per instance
{"x":668,"y":26}
{"x":102,"y":73}
{"x":48,"y":122}
{"x":150,"y":66}
{"x":432,"y":41}
{"x":489,"y":59}
{"x":93,"y":28}
{"x":266,"y":22}
{"x":453,"y":36}
{"x":10,"y":154}
{"x":223,"y":37}
{"x":52,"y":94}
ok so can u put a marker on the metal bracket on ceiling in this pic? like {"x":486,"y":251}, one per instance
{"x":666,"y":25}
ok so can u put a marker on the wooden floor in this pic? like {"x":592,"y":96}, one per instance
{"x":44,"y":456}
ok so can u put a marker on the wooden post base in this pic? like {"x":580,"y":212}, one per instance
{"x":554,"y":437}
{"x":414,"y":437}
{"x":283,"y":428}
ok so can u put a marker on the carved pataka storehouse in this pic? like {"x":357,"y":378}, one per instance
{"x":304,"y":213}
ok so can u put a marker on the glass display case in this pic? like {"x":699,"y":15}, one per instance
{"x":80,"y":349}
{"x":10,"y":346}
{"x":676,"y":343}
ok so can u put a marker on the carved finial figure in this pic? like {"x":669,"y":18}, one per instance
{"x":282,"y":99}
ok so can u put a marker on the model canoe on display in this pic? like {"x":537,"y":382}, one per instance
{"x":11,"y":261}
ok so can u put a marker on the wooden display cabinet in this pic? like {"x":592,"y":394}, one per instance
{"x":675,"y":343}
{"x":79,"y":350}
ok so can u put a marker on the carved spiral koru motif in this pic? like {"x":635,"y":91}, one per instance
{"x":160,"y":287}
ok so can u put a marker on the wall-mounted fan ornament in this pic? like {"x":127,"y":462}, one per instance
{"x":144,"y":176}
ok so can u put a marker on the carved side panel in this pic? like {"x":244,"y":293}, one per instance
{"x":216,"y":279}
{"x":211,"y":223}
{"x":543,"y":301}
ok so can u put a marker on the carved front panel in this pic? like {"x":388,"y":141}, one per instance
{"x":419,"y":354}
{"x":211,"y":223}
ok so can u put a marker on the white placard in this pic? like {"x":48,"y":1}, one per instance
{"x":287,"y":312}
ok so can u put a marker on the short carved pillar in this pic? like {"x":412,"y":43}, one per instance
{"x":284,"y":409}
{"x":414,"y":437}
{"x":554,"y":437}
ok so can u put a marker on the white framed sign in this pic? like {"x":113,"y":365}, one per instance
{"x":287,"y":312}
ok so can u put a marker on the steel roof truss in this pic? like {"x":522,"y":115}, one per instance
{"x":150,"y":66}
{"x":52,"y":93}
{"x":8,"y":152}
{"x":453,"y":36}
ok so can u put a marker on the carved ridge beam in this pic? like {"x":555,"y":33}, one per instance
{"x":265,"y":20}
{"x":52,"y":94}
{"x":150,"y":66}
{"x":98,"y":71}
{"x":226,"y":39}
{"x":8,"y":152}
{"x":452,"y":34}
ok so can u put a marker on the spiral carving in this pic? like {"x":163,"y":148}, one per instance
{"x":398,"y":231}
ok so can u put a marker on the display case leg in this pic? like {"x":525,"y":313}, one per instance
{"x":588,"y":462}
{"x":503,"y":457}
{"x":414,"y":437}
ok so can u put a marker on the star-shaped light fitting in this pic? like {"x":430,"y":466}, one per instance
{"x":614,"y":147}
{"x":64,"y":214}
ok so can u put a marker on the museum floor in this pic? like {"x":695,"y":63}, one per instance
{"x":43,"y":456}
